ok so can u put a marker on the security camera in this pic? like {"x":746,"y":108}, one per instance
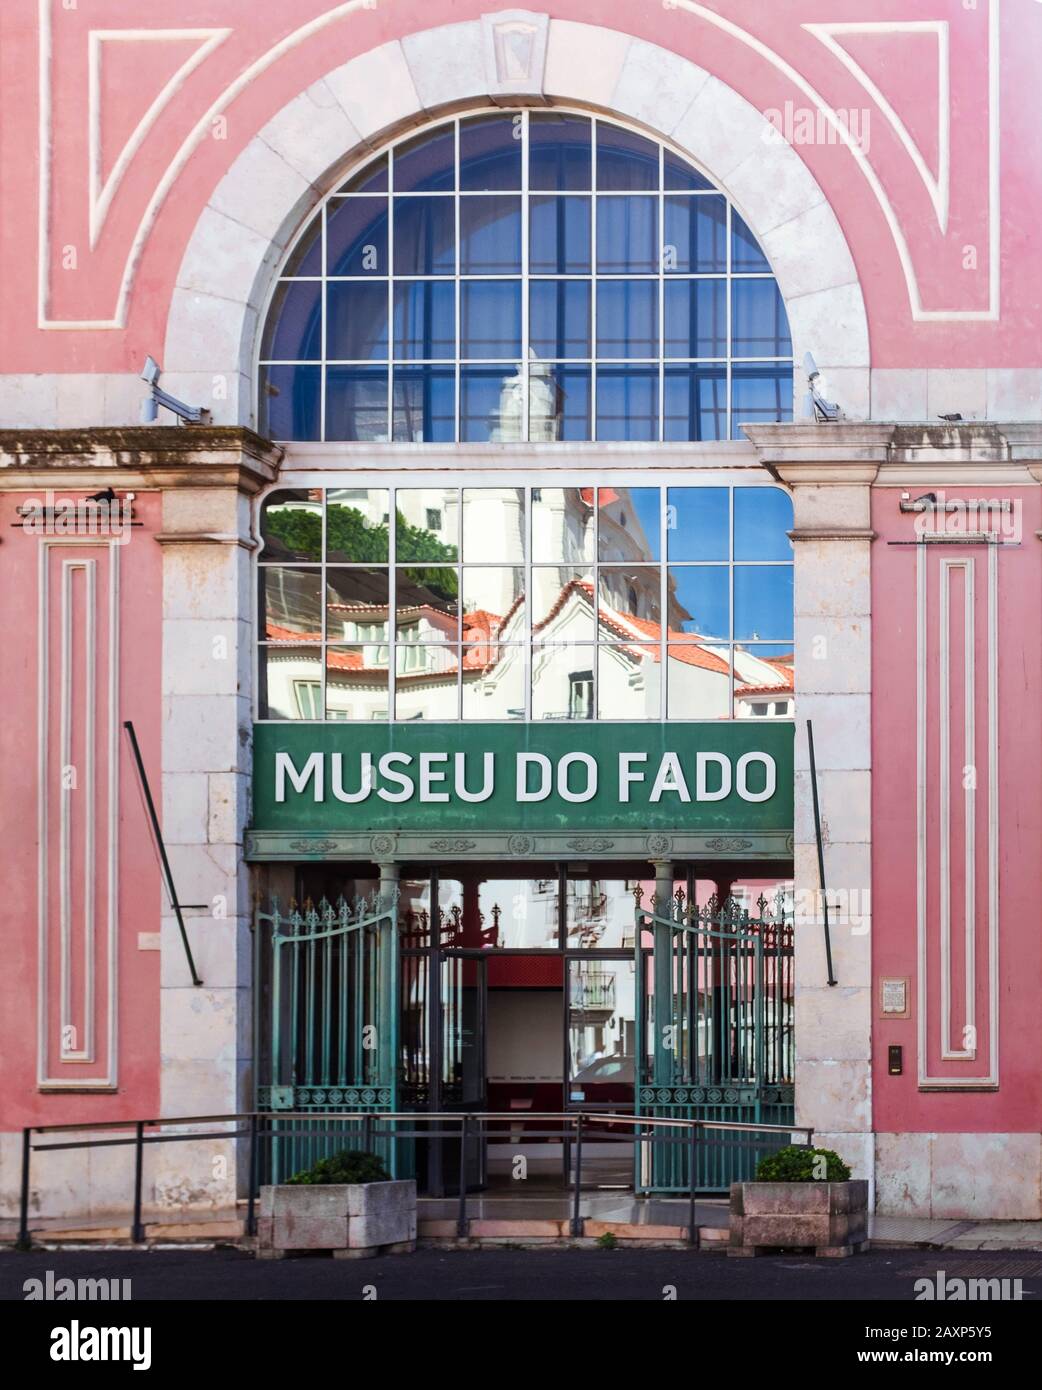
{"x":186,"y":414}
{"x":815,"y":406}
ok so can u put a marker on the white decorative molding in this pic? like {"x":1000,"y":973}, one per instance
{"x":514,"y":50}
{"x":87,"y":565}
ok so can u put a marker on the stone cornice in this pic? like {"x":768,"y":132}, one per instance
{"x":142,"y":457}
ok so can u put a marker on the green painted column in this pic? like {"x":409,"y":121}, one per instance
{"x":662,"y":976}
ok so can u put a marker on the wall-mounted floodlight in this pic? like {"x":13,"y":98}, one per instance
{"x":815,"y":406}
{"x":187,"y":414}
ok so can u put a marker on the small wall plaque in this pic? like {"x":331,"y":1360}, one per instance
{"x":893,"y":998}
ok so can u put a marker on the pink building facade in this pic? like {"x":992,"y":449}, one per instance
{"x":868,"y":179}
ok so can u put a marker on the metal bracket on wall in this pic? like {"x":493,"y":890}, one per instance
{"x":821,"y":853}
{"x":175,"y":903}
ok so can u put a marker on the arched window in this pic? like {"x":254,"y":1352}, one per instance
{"x":524,"y":276}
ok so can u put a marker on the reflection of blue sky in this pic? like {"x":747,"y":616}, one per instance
{"x":762,"y":600}
{"x":644,"y":503}
{"x":703,"y":591}
{"x":698,"y":525}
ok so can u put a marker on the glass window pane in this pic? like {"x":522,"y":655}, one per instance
{"x":678,"y":174}
{"x":493,"y":680}
{"x":695,"y":235}
{"x":629,"y":682}
{"x":562,"y":604}
{"x":494,"y":596}
{"x":357,"y":525}
{"x":427,"y":525}
{"x":698,"y":681}
{"x":493,"y":525}
{"x":356,"y":237}
{"x":356,"y":321}
{"x":559,"y":318}
{"x":289,"y":603}
{"x":562,"y":524}
{"x":490,"y":405}
{"x":370,"y":179}
{"x":627,"y":403}
{"x":290,"y":683}
{"x":558,"y":402}
{"x":559,"y":236}
{"x":695,"y":403}
{"x":426,"y":682}
{"x":627,"y":241}
{"x":306,"y":256}
{"x":490,"y":236}
{"x":599,"y":916}
{"x":559,"y":151}
{"x":625,"y":160}
{"x":427,"y":604}
{"x":763,"y":602}
{"x":629,"y":523}
{"x":759,"y":393}
{"x":698,"y":525}
{"x":356,"y":403}
{"x":424,"y":319}
{"x":764,"y":681}
{"x":290,"y":402}
{"x":762,"y":519}
{"x":424,"y":236}
{"x":629,"y":601}
{"x":424,"y":404}
{"x":490,"y":318}
{"x":490,"y":152}
{"x":700,"y":601}
{"x":759,"y":323}
{"x":562,"y":682}
{"x":356,"y":605}
{"x":696,"y":318}
{"x":293,"y":332}
{"x":627,"y":318}
{"x":745,"y":250}
{"x":291,"y":525}
{"x":426,"y":163}
{"x":356,"y":684}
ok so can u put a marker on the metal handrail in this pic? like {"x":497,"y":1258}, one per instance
{"x":460,"y":1123}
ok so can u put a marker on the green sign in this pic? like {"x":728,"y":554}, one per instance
{"x":471,"y":777}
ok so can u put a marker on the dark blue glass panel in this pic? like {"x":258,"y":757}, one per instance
{"x":627,"y":240}
{"x":698,"y":523}
{"x":559,"y":318}
{"x":424,"y":236}
{"x":763,"y":602}
{"x":694,"y":239}
{"x":424,"y":319}
{"x":306,"y":257}
{"x":696,"y":318}
{"x":490,"y":153}
{"x":293,"y":331}
{"x":745,"y":251}
{"x":424,"y":404}
{"x":759,"y":323}
{"x":490,"y":236}
{"x":291,"y":402}
{"x":490,"y":318}
{"x":559,"y":236}
{"x":627,"y":403}
{"x":371,"y":179}
{"x":356,"y":237}
{"x":558,"y":402}
{"x":678,"y":175}
{"x":356,"y":403}
{"x":700,"y":601}
{"x":695,"y":403}
{"x":485,"y":394}
{"x":762,"y":518}
{"x":627,"y":318}
{"x":356,"y":320}
{"x":559,"y":151}
{"x":759,"y":394}
{"x":625,"y":160}
{"x":427,"y":163}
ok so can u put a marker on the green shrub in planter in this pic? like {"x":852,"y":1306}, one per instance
{"x":347,"y":1166}
{"x":796,"y":1164}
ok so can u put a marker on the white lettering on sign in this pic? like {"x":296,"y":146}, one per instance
{"x":433,"y":778}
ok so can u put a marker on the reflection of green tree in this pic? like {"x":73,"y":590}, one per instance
{"x":354,"y":539}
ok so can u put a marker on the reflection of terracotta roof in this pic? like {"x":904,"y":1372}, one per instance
{"x":275,"y":633}
{"x":763,"y":690}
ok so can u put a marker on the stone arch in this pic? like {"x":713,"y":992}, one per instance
{"x":229,"y":265}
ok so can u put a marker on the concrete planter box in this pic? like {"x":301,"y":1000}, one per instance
{"x":830,"y":1216}
{"x":353,"y":1220}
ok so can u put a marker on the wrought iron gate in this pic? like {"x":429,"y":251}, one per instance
{"x":326,"y":1011}
{"x":714,"y":1032}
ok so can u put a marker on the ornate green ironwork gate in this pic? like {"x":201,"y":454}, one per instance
{"x":714,"y":1033}
{"x":326,"y":1010}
